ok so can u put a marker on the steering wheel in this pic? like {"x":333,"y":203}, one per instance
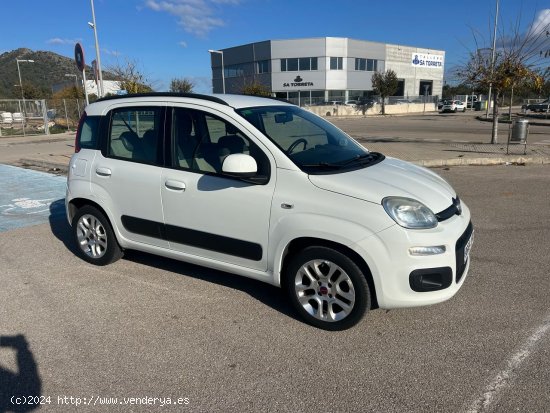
{"x":295,"y":144}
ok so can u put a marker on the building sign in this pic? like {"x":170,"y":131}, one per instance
{"x":429,"y":61}
{"x":298,"y":82}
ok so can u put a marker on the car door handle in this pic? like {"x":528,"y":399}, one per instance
{"x":174,"y":185}
{"x":103,"y":171}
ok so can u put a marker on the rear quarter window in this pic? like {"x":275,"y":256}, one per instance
{"x":88,"y":133}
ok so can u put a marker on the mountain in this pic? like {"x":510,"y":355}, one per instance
{"x":48,"y":69}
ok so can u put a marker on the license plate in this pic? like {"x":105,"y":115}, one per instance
{"x":468,"y":247}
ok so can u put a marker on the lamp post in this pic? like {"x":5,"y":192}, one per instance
{"x":75,"y":82}
{"x":93,"y":25}
{"x":76,"y":90}
{"x":492,"y":64}
{"x":223,"y":69}
{"x":21,"y":86}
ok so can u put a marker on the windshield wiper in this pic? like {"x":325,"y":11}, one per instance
{"x":359,"y":158}
{"x":322,"y":165}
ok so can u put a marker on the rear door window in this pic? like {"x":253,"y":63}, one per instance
{"x":136,"y":134}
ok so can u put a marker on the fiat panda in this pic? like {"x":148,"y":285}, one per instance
{"x":264,"y":189}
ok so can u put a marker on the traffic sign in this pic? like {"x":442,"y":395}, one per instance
{"x":79,"y":57}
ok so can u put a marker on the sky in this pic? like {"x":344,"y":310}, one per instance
{"x":170,"y":39}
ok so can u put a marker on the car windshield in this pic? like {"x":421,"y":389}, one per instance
{"x":313,"y":144}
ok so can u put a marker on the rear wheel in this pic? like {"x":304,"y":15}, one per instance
{"x":94,"y":237}
{"x":327,"y":288}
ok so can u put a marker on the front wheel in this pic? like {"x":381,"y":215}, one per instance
{"x":327,"y":288}
{"x":94,"y":236}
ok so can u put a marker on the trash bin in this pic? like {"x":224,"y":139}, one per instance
{"x":480,"y":105}
{"x":520,"y":129}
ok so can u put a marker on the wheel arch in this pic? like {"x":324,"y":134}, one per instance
{"x":299,"y":244}
{"x":77,"y":203}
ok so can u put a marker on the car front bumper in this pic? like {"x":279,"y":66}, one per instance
{"x":402,"y":279}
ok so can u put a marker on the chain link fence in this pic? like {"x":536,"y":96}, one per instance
{"x":36,"y":117}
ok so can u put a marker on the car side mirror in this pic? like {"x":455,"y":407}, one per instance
{"x":239,"y":165}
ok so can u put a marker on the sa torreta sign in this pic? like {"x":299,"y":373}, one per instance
{"x":298,"y":82}
{"x":427,"y":60}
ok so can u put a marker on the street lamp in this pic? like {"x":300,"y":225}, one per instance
{"x":76,"y":91}
{"x":75,"y":81}
{"x":492,"y":65}
{"x":93,"y":25}
{"x":223,"y":69}
{"x":21,"y":86}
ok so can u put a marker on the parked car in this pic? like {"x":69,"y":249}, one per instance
{"x":350,"y":102}
{"x":453,"y":106}
{"x":267,"y":190}
{"x":367,"y":102}
{"x":543,"y":106}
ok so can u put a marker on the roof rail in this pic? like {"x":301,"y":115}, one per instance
{"x":165,"y":94}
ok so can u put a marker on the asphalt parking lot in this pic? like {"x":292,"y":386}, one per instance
{"x":148,"y":327}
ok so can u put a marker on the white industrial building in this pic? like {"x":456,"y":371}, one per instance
{"x":311,"y":70}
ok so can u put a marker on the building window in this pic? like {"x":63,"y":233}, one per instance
{"x":336,"y":63}
{"x":369,"y":65}
{"x":298,"y":63}
{"x":234,"y":71}
{"x":263,"y":66}
{"x":372,"y":65}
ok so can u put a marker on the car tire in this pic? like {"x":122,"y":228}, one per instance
{"x":463,"y":110}
{"x":94,"y":237}
{"x":327,"y":288}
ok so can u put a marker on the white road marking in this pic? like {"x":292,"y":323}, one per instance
{"x":503,"y":379}
{"x":22,"y":206}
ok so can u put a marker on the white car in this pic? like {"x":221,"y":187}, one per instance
{"x":266,"y":190}
{"x":453,"y":106}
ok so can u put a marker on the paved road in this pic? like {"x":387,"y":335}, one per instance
{"x":152,"y":327}
{"x":452,"y":127}
{"x":13,"y":149}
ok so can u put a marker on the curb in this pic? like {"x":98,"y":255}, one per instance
{"x":532,"y":121}
{"x":518,"y":160}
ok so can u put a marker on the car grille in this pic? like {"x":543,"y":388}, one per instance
{"x":459,"y":251}
{"x":454,"y":209}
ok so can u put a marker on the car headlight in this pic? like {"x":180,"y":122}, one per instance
{"x":409,"y":213}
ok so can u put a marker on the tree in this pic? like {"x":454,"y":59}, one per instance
{"x":256,"y":89}
{"x":30,"y":91}
{"x":385,"y":84}
{"x":182,"y":85}
{"x":516,"y":62}
{"x":130,"y":77}
{"x":70,"y":92}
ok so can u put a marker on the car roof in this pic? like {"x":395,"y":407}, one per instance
{"x":234,"y":101}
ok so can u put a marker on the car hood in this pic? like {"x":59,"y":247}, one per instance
{"x":391,"y":177}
